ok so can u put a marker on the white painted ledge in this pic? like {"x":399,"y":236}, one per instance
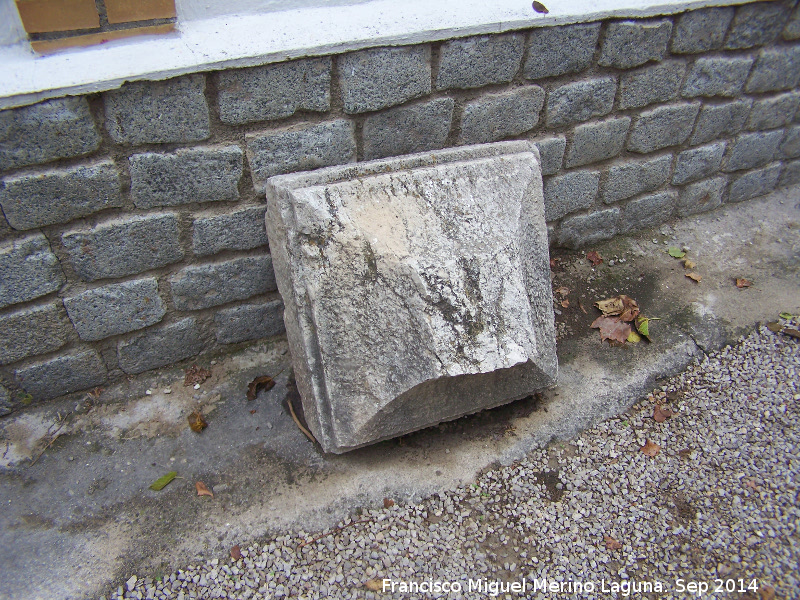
{"x":239,"y":41}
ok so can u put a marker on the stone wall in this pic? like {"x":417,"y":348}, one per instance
{"x":133,"y":233}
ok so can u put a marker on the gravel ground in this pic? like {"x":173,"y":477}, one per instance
{"x":593,"y":517}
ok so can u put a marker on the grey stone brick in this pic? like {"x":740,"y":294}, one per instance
{"x":62,"y":375}
{"x":754,"y":184}
{"x":480,"y":60}
{"x":160,"y":346}
{"x":700,"y":30}
{"x":240,"y":230}
{"x":202,"y":286}
{"x":117,"y":308}
{"x":124,"y":246}
{"x":775,"y":69}
{"x":648,"y":211}
{"x":593,"y":142}
{"x":300,"y":149}
{"x":32,"y":330}
{"x":559,"y":50}
{"x":751,"y":150}
{"x":630,"y":178}
{"x":567,"y":193}
{"x":663,"y":126}
{"x":792,"y":29}
{"x":790,"y":174}
{"x":28,"y":270}
{"x":632,"y":43}
{"x":701,"y":196}
{"x":756,"y":24}
{"x":493,"y":117}
{"x":581,"y":100}
{"x":43,"y":198}
{"x":790,"y":147}
{"x":581,"y":230}
{"x":6,"y":405}
{"x":60,"y":128}
{"x":717,"y":120}
{"x":698,"y":163}
{"x":717,"y":77}
{"x":249,"y":322}
{"x":187,"y":175}
{"x":407,"y":129}
{"x":770,"y":113}
{"x":656,"y":83}
{"x":274,"y":91}
{"x":551,"y":152}
{"x":158,"y":112}
{"x":382,"y":77}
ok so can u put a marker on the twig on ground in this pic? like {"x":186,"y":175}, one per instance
{"x":297,"y":422}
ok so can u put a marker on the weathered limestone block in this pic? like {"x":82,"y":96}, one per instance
{"x":416,"y":288}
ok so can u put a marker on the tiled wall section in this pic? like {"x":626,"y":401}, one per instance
{"x":133,"y":232}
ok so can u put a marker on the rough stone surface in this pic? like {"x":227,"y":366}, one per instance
{"x":790,"y":146}
{"x":47,"y":131}
{"x":717,"y":77}
{"x":582,"y":230}
{"x":240,"y":230}
{"x":775,"y":69}
{"x":632,"y":43}
{"x":249,"y":322}
{"x":631,"y":178}
{"x":662,"y":126}
{"x":6,"y":405}
{"x":274,"y":91}
{"x":656,"y":83}
{"x":451,"y":318}
{"x":478,"y":61}
{"x":185,"y":176}
{"x":382,"y":77}
{"x":701,"y":196}
{"x":158,"y":347}
{"x":593,"y":142}
{"x":717,"y":120}
{"x":648,"y":211}
{"x":560,"y":50}
{"x":756,"y":24}
{"x":754,"y":184}
{"x":408,"y":129}
{"x":792,"y":29}
{"x":570,"y":192}
{"x":581,"y":100}
{"x":43,"y":198}
{"x":698,"y":163}
{"x":551,"y":153}
{"x":32,"y":330}
{"x":496,"y":116}
{"x":300,"y":149}
{"x":158,"y":112}
{"x":203,"y":286}
{"x":790,"y":174}
{"x":28,"y":270}
{"x":751,"y":150}
{"x":770,"y":113}
{"x":700,"y":30}
{"x":124,"y":246}
{"x":117,"y":308}
{"x":62,"y":375}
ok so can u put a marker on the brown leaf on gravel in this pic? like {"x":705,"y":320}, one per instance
{"x":202,"y":490}
{"x":195,"y":374}
{"x":197,"y":422}
{"x":388,"y":503}
{"x":594,"y":257}
{"x":661,"y":414}
{"x":611,"y":543}
{"x":689,"y":264}
{"x":264,"y":382}
{"x":564,"y":303}
{"x":562,"y":291}
{"x":650,"y":449}
{"x":236,"y":552}
{"x":767,"y":592}
{"x":743,"y":283}
{"x":374,"y":585}
{"x":626,"y":307}
{"x":776,"y":327}
{"x":611,"y":328}
{"x":694,"y":277}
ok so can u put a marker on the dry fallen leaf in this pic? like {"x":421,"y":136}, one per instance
{"x":564,"y":303}
{"x":388,"y":503}
{"x":767,"y":592}
{"x":594,"y":257}
{"x":374,"y":585}
{"x":689,"y":264}
{"x":562,"y":291}
{"x":650,"y":448}
{"x":195,"y":374}
{"x":540,"y":8}
{"x":264,"y":382}
{"x":611,"y":543}
{"x":202,"y":490}
{"x":661,"y":414}
{"x":743,"y":283}
{"x":236,"y":552}
{"x":197,"y":422}
{"x":622,"y":305}
{"x":694,"y":277}
{"x":611,"y":328}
